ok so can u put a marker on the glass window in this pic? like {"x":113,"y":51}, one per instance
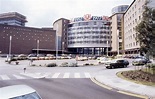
{"x":33,"y":95}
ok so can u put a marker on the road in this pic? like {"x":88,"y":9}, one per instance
{"x":58,"y":82}
{"x":68,"y":89}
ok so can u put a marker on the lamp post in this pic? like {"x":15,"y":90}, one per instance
{"x":10,"y":46}
{"x":107,"y":48}
{"x":63,"y":47}
{"x":118,"y":42}
{"x":56,"y":42}
{"x":37,"y":47}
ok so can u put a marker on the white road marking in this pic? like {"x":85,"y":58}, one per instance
{"x":32,"y":75}
{"x":19,"y":77}
{"x":4,"y":77}
{"x":66,"y":75}
{"x":77,"y":75}
{"x":87,"y":75}
{"x":56,"y":75}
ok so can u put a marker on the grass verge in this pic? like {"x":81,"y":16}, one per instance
{"x":119,"y":74}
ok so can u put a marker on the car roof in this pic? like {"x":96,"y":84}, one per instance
{"x":14,"y":91}
{"x":120,"y":59}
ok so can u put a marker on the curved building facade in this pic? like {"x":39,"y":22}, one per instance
{"x":120,"y":9}
{"x":89,"y":34}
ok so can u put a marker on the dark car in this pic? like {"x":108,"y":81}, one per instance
{"x":117,"y":63}
{"x":140,"y":61}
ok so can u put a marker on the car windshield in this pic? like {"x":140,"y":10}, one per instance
{"x":33,"y":95}
{"x":113,"y":61}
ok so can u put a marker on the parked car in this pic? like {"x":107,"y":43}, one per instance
{"x":22,"y":57}
{"x":104,"y":60}
{"x":81,"y":58}
{"x":140,"y":60}
{"x":116,"y":63}
{"x":18,"y":92}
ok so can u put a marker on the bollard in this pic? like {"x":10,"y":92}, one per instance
{"x":24,"y":70}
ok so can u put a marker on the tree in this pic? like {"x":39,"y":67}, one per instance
{"x":146,"y":31}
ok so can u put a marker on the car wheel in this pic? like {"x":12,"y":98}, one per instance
{"x":112,"y":67}
{"x":125,"y":66}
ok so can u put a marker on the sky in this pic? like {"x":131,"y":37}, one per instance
{"x":42,"y":13}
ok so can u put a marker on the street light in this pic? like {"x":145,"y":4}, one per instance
{"x":10,"y":46}
{"x":118,"y":42}
{"x":56,"y":42}
{"x":107,"y":48}
{"x":37,"y":47}
{"x":63,"y":47}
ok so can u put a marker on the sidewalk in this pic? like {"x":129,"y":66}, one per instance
{"x":108,"y":77}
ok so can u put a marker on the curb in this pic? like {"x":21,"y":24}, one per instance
{"x":119,"y":90}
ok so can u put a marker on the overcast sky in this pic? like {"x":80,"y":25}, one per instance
{"x":42,"y":13}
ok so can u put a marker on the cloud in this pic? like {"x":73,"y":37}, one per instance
{"x":41,"y":13}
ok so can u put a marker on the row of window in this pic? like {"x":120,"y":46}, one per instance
{"x":88,"y":23}
{"x":89,"y":37}
{"x":90,"y":33}
{"x":78,"y":28}
{"x":132,"y":44}
{"x":24,"y":33}
{"x":27,"y":39}
{"x":22,"y":29}
{"x":90,"y":42}
{"x":133,"y":36}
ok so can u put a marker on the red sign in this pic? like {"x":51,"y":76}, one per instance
{"x":87,"y":17}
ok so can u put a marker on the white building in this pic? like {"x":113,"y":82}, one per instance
{"x":132,"y":17}
{"x":89,"y":35}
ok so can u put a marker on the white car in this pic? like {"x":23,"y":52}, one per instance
{"x":104,"y":60}
{"x":18,"y":92}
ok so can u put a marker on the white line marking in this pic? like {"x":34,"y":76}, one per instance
{"x":4,"y":77}
{"x":87,"y":75}
{"x":66,"y":75}
{"x":19,"y":77}
{"x":77,"y":75}
{"x":56,"y":75}
{"x":32,"y":75}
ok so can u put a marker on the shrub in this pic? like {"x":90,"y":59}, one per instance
{"x":51,"y":65}
{"x":86,"y":64}
{"x":150,"y":66}
{"x":33,"y":65}
{"x":73,"y":64}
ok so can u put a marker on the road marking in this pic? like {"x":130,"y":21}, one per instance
{"x":87,"y":75}
{"x":77,"y":75}
{"x":100,"y":84}
{"x":56,"y":75}
{"x":66,"y":75}
{"x":4,"y":77}
{"x":19,"y":77}
{"x":132,"y":94}
{"x":32,"y":75}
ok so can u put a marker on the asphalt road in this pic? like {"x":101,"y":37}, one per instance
{"x":68,"y":89}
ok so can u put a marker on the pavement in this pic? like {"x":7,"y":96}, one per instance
{"x":109,"y":78}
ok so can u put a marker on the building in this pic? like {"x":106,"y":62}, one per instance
{"x":12,"y":18}
{"x":117,"y":29}
{"x":89,"y":35}
{"x":61,"y":26}
{"x":25,"y":40}
{"x":132,"y":17}
{"x":119,"y":9}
